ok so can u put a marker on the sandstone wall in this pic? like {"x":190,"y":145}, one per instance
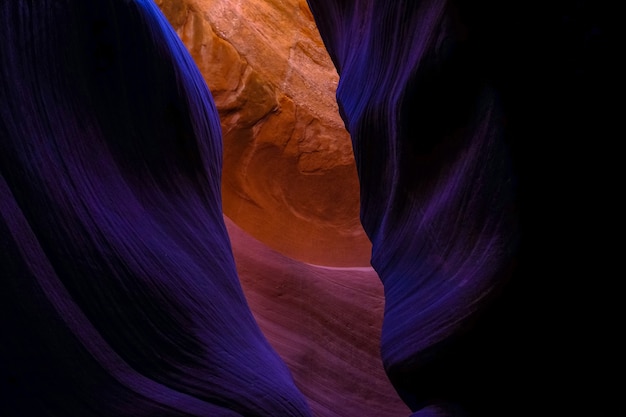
{"x":289,"y":177}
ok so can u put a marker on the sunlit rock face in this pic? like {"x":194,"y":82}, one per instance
{"x":289,"y":177}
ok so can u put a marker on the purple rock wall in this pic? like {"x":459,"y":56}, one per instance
{"x":120,"y":295}
{"x":461,"y":116}
{"x":437,"y":195}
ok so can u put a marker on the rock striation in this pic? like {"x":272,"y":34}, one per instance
{"x":120,"y":295}
{"x":436,"y":187}
{"x":119,"y":290}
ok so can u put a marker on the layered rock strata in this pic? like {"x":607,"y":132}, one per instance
{"x":436,"y":194}
{"x":120,"y":295}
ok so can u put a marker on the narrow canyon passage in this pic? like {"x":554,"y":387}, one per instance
{"x":188,"y":229}
{"x":290,"y":181}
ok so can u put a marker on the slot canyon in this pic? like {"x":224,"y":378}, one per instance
{"x":284,"y":208}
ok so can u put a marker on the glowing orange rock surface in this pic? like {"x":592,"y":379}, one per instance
{"x":289,"y":177}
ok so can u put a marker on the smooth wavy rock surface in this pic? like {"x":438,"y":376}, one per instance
{"x":289,"y":177}
{"x":325,"y":322}
{"x":436,"y":185}
{"x":119,"y":290}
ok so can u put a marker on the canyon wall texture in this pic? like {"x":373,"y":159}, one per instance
{"x":463,"y":117}
{"x":436,"y":183}
{"x":289,"y":177}
{"x":120,"y":295}
{"x":325,"y":323}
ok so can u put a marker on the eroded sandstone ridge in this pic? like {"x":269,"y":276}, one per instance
{"x":289,"y":177}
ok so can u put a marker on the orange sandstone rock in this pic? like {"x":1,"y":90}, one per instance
{"x":289,"y":177}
